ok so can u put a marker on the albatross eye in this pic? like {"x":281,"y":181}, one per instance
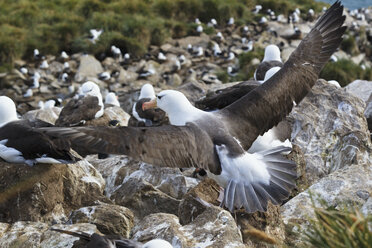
{"x":159,"y":97}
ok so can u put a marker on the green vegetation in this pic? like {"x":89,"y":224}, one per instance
{"x":246,"y":68}
{"x":334,"y":228}
{"x":131,"y":25}
{"x":345,"y":71}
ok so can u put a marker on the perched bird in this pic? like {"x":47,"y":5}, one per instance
{"x":212,"y":23}
{"x":231,"y":21}
{"x":147,"y":117}
{"x":249,"y":180}
{"x":21,"y":142}
{"x":35,"y":80}
{"x":116,"y":51}
{"x":44,"y":65}
{"x":257,"y":9}
{"x":271,"y":72}
{"x":28,"y":93}
{"x":23,"y":70}
{"x":94,"y":35}
{"x":64,"y":55}
{"x":104,"y":76}
{"x":199,"y":29}
{"x":112,"y":99}
{"x":87,"y":106}
{"x":114,"y":241}
{"x":271,"y":59}
{"x":37,"y":55}
{"x":161,"y":57}
{"x":232,"y":71}
{"x":197,"y":21}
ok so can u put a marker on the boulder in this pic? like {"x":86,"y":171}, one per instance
{"x":360,"y":88}
{"x":49,"y":115}
{"x":144,"y":199}
{"x":89,"y":67}
{"x":330,"y":128}
{"x":215,"y":227}
{"x":37,"y":234}
{"x":348,"y":187}
{"x":47,"y":192}
{"x":109,"y":218}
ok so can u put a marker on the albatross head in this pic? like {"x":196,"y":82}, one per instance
{"x":147,"y":91}
{"x":8,"y":110}
{"x":92,"y":89}
{"x":176,"y":105}
{"x":272,"y":52}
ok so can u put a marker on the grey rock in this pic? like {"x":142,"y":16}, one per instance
{"x":144,"y":199}
{"x":109,"y":218}
{"x":360,"y":88}
{"x":215,"y":227}
{"x":49,"y":115}
{"x":37,"y":234}
{"x":89,"y":67}
{"x":339,"y":189}
{"x":330,"y":128}
{"x":117,"y":113}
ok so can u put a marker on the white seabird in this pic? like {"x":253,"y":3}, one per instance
{"x":112,"y":99}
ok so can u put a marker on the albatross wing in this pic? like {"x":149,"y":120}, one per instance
{"x":266,"y":105}
{"x":169,"y":146}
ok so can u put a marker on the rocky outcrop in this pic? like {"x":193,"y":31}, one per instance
{"x":47,"y":192}
{"x":108,"y":218}
{"x":330,"y":128}
{"x":38,"y":234}
{"x":89,"y":67}
{"x":213,"y":228}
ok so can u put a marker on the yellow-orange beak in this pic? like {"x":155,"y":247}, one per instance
{"x":149,"y":105}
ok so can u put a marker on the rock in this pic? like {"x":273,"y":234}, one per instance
{"x":215,"y":227}
{"x":47,"y":192}
{"x":368,"y":114}
{"x":109,"y":218}
{"x":197,"y":200}
{"x":349,"y":186}
{"x":201,"y":40}
{"x":55,"y":67}
{"x":37,"y":234}
{"x":358,"y":59}
{"x":119,"y":169}
{"x":117,"y":113}
{"x":89,"y":67}
{"x":49,"y":115}
{"x":360,"y":88}
{"x":330,"y":128}
{"x":143,"y":199}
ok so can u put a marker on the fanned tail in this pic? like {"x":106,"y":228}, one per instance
{"x":254,"y":196}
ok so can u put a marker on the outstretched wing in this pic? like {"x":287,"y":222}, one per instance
{"x":223,"y":97}
{"x":268,"y":104}
{"x":170,"y":146}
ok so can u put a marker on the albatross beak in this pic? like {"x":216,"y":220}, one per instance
{"x":149,"y":105}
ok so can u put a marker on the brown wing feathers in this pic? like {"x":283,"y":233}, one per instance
{"x":171,"y":146}
{"x":268,"y":104}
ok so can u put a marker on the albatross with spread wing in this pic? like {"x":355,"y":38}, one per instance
{"x":218,"y":141}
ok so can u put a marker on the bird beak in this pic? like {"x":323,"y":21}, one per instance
{"x":149,"y":105}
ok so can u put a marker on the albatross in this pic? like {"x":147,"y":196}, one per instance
{"x":217,"y":141}
{"x":21,"y":142}
{"x":271,"y":59}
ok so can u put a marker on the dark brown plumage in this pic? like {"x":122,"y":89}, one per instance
{"x":223,"y":97}
{"x":150,"y":117}
{"x":77,"y":111}
{"x":24,"y":136}
{"x":264,"y":67}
